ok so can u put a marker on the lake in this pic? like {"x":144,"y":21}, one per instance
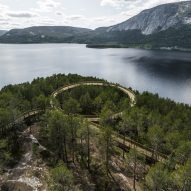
{"x":167,"y":73}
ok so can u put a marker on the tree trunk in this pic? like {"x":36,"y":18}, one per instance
{"x":88,"y":146}
{"x":81,"y":152}
{"x":134,"y":174}
{"x":65,"y":150}
{"x":123,"y":144}
{"x":107,"y":156}
{"x":73,"y":139}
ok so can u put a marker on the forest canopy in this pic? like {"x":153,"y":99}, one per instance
{"x":160,"y":125}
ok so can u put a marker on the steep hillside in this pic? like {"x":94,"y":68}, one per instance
{"x":2,"y":32}
{"x":164,"y":26}
{"x":44,"y":34}
{"x":157,"y":19}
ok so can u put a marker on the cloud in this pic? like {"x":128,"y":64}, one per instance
{"x":59,"y":13}
{"x":3,"y":8}
{"x":114,"y":3}
{"x":53,"y":12}
{"x":47,"y":5}
{"x":130,"y":8}
{"x":139,"y":3}
{"x":22,"y":14}
{"x":75,"y":17}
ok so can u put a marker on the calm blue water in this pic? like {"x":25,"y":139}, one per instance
{"x":165,"y":72}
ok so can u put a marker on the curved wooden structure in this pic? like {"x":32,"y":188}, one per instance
{"x":124,"y":90}
{"x":117,"y":137}
{"x":24,"y":116}
{"x":148,"y":152}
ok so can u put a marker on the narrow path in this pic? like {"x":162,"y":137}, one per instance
{"x":128,"y":143}
{"x":31,"y":172}
{"x":125,"y":90}
{"x":24,"y":116}
{"x":132,"y":144}
{"x":27,"y":181}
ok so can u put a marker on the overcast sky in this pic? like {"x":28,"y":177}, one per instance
{"x":80,"y":13}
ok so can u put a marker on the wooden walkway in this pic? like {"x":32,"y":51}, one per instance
{"x":23,"y":117}
{"x":124,"y":90}
{"x":131,"y":144}
{"x":117,"y":137}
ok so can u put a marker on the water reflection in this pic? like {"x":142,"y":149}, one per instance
{"x":164,"y":72}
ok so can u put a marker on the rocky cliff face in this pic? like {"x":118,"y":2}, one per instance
{"x":167,"y":25}
{"x":158,"y":19}
{"x":40,"y":34}
{"x":54,"y":31}
{"x":2,"y":32}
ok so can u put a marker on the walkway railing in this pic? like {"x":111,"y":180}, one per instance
{"x":92,"y":118}
{"x":130,"y":143}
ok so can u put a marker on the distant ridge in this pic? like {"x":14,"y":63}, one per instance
{"x":158,"y":19}
{"x":166,"y":26}
{"x":2,"y":32}
{"x":40,"y":34}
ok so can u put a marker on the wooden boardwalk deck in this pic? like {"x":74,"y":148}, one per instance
{"x":117,"y":137}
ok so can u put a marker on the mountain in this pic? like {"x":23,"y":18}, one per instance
{"x":40,"y":34}
{"x":164,"y":26}
{"x":157,"y":19}
{"x":2,"y":32}
{"x":172,"y":38}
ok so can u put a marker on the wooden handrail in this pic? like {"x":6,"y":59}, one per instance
{"x":134,"y":143}
{"x":66,"y":87}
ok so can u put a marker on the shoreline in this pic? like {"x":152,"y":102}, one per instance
{"x":105,"y":46}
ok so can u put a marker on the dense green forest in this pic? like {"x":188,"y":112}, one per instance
{"x":177,"y":38}
{"x":92,"y":99}
{"x":172,"y":37}
{"x":81,"y":155}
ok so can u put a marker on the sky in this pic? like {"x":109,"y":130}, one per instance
{"x":79,"y":13}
